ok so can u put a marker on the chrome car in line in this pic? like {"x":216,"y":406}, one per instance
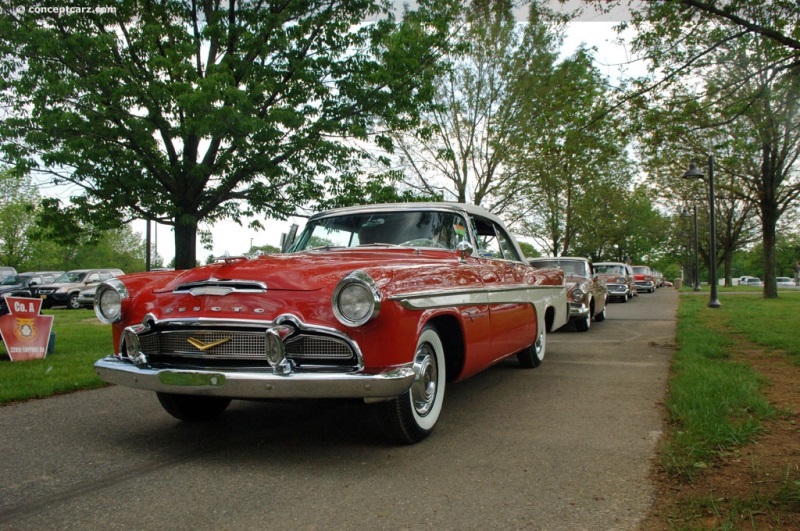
{"x":644,"y":278}
{"x":385,"y":303}
{"x":586,"y":292}
{"x":618,"y":277}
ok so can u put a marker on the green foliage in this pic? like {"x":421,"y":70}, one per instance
{"x":728,"y":87}
{"x":183,"y":113}
{"x":18,"y":199}
{"x":529,"y":250}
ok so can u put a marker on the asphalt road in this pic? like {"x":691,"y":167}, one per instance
{"x":565,"y":446}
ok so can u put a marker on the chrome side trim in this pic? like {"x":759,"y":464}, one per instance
{"x":471,"y":297}
{"x":388,"y":384}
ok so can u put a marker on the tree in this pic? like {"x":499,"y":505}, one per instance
{"x":183,"y":112}
{"x":18,"y":198}
{"x":569,"y":156}
{"x":746,"y":58}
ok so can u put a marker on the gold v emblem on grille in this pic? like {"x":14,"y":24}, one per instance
{"x":201,"y":346}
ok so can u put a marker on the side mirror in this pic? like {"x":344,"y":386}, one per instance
{"x":464,"y":250}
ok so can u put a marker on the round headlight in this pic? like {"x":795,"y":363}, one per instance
{"x":577,"y":295}
{"x":356,"y":299}
{"x":108,"y":301}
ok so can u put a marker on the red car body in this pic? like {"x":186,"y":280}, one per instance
{"x":644,"y":278}
{"x":391,"y":320}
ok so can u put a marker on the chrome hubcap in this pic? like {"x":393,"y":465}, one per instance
{"x":539,"y":346}
{"x":423,"y":390}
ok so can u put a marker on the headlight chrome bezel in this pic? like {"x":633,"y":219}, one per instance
{"x":578,"y":295}
{"x":108,"y":300}
{"x":362,"y":289}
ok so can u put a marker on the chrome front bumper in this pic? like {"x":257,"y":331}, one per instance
{"x":578,"y":310}
{"x":241,"y":384}
{"x":617,"y":290}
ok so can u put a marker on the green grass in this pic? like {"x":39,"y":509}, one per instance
{"x":716,"y":404}
{"x":80,"y":341}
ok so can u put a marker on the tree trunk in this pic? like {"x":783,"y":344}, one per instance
{"x":185,"y":242}
{"x":728,"y":269}
{"x":769,"y":220}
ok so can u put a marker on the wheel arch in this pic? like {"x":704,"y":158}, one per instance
{"x":452,"y":337}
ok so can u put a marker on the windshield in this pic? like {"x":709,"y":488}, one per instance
{"x":438,"y":230}
{"x":70,"y":277}
{"x":641,"y":270}
{"x":570,"y":267}
{"x":610,"y":269}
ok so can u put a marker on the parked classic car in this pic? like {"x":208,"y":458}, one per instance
{"x":784,"y":281}
{"x":644,"y":279}
{"x":385,"y":303}
{"x":586,"y":292}
{"x":618,"y":277}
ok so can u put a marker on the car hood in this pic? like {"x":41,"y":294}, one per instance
{"x":10,"y":287}
{"x":313,"y":270}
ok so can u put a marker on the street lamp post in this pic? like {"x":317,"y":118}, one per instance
{"x":696,"y":275}
{"x":695,"y":173}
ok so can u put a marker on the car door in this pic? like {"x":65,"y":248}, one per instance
{"x":503,"y":271}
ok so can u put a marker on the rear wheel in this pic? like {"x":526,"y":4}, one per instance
{"x":532,"y":357}
{"x":411,"y":417}
{"x":190,"y":408}
{"x":72,"y":302}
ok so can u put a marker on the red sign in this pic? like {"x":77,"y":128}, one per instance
{"x":24,"y":331}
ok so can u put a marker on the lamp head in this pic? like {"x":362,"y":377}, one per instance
{"x":693,"y":172}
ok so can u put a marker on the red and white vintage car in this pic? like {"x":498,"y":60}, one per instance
{"x":386,"y":303}
{"x":644,"y":278}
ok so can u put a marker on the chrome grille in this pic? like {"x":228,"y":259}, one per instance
{"x":318,"y":347}
{"x":243,"y":346}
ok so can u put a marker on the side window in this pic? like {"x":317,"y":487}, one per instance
{"x":35,"y":280}
{"x":105,"y":276}
{"x":506,"y":245}
{"x":493,"y":241}
{"x":94,"y":277}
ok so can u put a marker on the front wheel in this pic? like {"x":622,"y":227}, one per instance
{"x":410,"y":417}
{"x":190,"y":408}
{"x":600,"y":317}
{"x":583,"y":325}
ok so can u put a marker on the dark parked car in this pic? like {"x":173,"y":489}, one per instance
{"x":66,"y":288}
{"x":21,"y":285}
